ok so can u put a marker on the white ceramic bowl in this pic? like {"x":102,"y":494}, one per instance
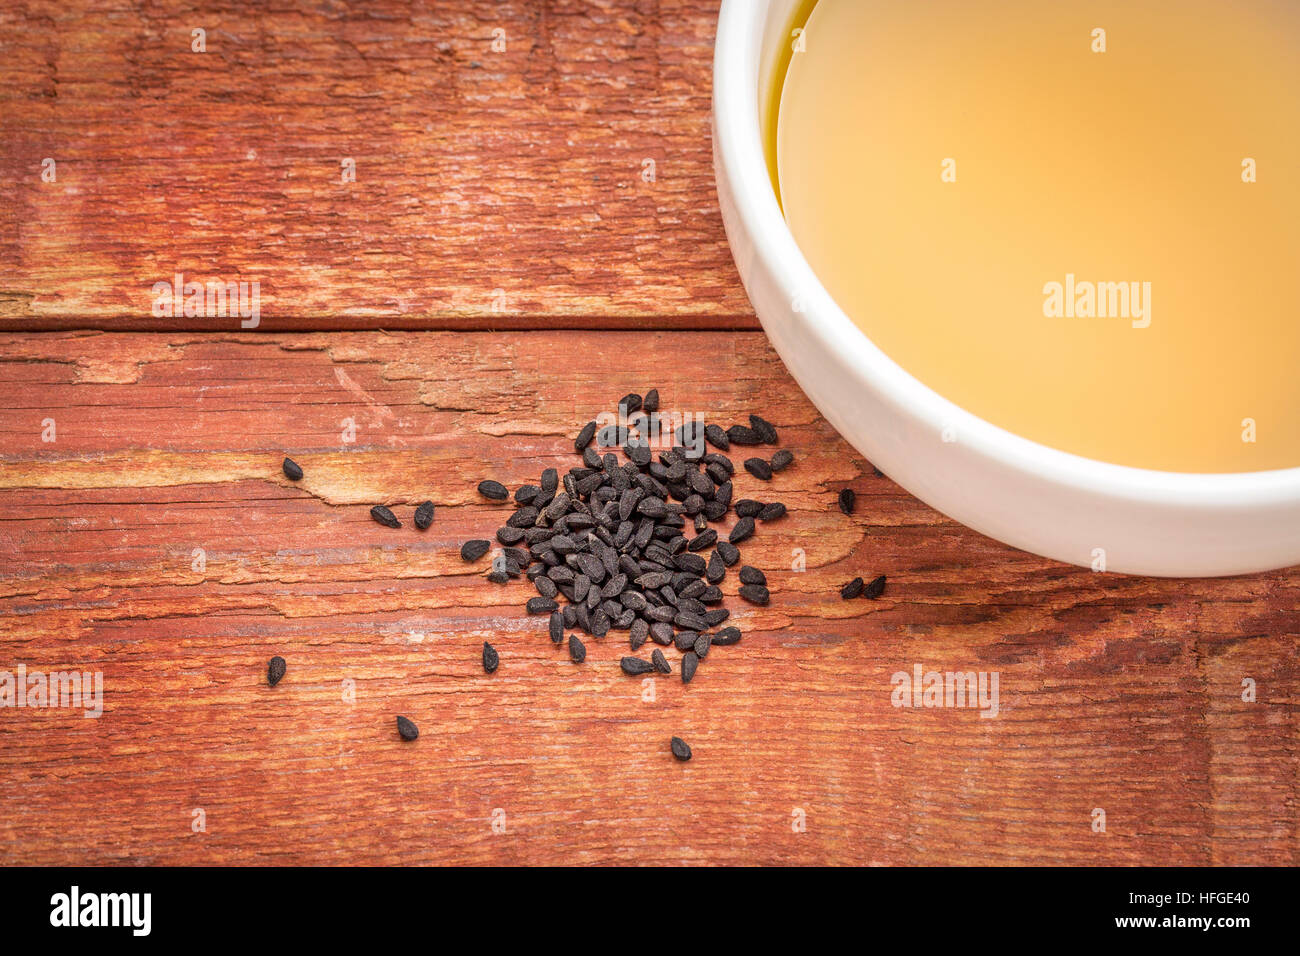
{"x":1046,"y":501}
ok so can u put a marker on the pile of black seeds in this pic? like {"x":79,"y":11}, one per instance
{"x":626,"y":543}
{"x":623,"y":542}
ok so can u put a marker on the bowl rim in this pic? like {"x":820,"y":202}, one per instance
{"x":738,"y":150}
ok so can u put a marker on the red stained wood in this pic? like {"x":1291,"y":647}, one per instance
{"x":1117,"y":693}
{"x":493,"y":188}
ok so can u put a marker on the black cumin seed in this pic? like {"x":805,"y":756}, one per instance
{"x":508,"y":535}
{"x":545,"y":586}
{"x":716,"y":569}
{"x":730,"y":553}
{"x":406,"y":728}
{"x":661,"y":632}
{"x":748,"y":508}
{"x":385,"y":516}
{"x":424,"y":515}
{"x":638,"y":452}
{"x":490,"y":657}
{"x":292,"y":470}
{"x":716,"y":437}
{"x":848,"y":500}
{"x":705,"y":539}
{"x":556,"y":626}
{"x":740,"y":435}
{"x":493,"y":490}
{"x":702,"y":644}
{"x":755,"y":594}
{"x":630,"y":403}
{"x":651,"y":403}
{"x":874,"y":588}
{"x":763,"y":429}
{"x":577,"y":649}
{"x":681,"y":750}
{"x":750,"y":575}
{"x":275,"y":670}
{"x":634,"y":666}
{"x":475,"y":549}
{"x":685,"y":640}
{"x":690,"y":661}
{"x":759,"y":468}
{"x":640,"y":630}
{"x":726,"y":636}
{"x":498,"y":577}
{"x":585,"y":436}
{"x":782,"y":459}
{"x":541,"y":605}
{"x":771,"y":512}
{"x":852,"y":589}
{"x":742,"y":530}
{"x":660,"y":662}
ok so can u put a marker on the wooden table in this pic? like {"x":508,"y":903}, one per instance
{"x":506,"y":264}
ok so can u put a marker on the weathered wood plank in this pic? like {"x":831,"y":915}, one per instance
{"x":493,"y":188}
{"x":1117,"y":693}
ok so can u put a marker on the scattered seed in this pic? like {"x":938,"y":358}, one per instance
{"x":681,"y":750}
{"x":764,"y":430}
{"x":541,"y":605}
{"x":424,"y":515}
{"x":782,"y":459}
{"x":771,"y":512}
{"x":491,"y":659}
{"x":292,"y":470}
{"x":702,"y":643}
{"x":750,"y":575}
{"x":759,"y":468}
{"x":729,"y":552}
{"x":406,"y":728}
{"x":634,"y":666}
{"x":493,"y":490}
{"x":556,"y":627}
{"x":660,"y":662}
{"x":848,"y":500}
{"x":690,"y":661}
{"x":742,"y":530}
{"x":651,"y":403}
{"x":584,"y":437}
{"x":740,"y":435}
{"x":716,"y":437}
{"x":726,"y":637}
{"x":577,"y":649}
{"x":755,"y":594}
{"x":851,"y":590}
{"x":874,"y":588}
{"x":275,"y":670}
{"x":473,"y":550}
{"x":385,"y":516}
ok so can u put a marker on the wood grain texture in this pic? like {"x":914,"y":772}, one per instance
{"x":493,"y":189}
{"x":1117,"y":693}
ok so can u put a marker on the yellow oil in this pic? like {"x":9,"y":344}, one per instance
{"x":1078,"y":221}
